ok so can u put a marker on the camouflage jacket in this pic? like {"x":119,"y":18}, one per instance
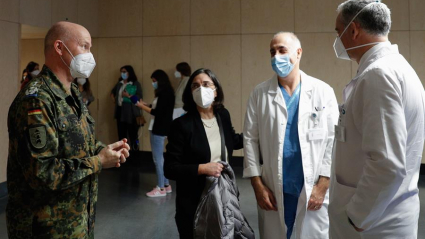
{"x":52,"y":164}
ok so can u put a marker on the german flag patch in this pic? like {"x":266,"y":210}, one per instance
{"x":34,"y":112}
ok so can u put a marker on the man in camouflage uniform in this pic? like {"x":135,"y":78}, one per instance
{"x":54,"y":159}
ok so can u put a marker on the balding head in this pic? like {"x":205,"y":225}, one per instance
{"x":63,"y":31}
{"x":289,"y":37}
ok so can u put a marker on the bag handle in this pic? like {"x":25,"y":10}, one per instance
{"x":223,"y":145}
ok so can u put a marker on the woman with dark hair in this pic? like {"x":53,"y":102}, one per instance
{"x":182,"y":74}
{"x":195,"y":145}
{"x":32,"y":70}
{"x":161,"y":112}
{"x":125,"y":112}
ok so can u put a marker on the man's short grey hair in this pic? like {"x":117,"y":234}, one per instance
{"x":293,"y":37}
{"x":375,"y":19}
{"x":57,"y":32}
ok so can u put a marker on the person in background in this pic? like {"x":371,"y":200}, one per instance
{"x":379,"y":138}
{"x":85,"y":90}
{"x":32,"y":70}
{"x":182,"y":73}
{"x":194,"y":145}
{"x":125,"y":111}
{"x":24,"y":75}
{"x":161,"y":112}
{"x":54,"y":157}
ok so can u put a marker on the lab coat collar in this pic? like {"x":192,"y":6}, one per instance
{"x":274,"y":88}
{"x":305,"y":79}
{"x":373,"y":54}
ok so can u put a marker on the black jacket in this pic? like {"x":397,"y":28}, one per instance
{"x":187,"y":148}
{"x":129,"y":111}
{"x":163,"y":112}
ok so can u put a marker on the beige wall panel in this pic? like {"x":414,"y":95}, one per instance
{"x":315,"y":16}
{"x":267,"y":16}
{"x":65,"y":10}
{"x":112,"y":54}
{"x":164,"y":17}
{"x":36,"y":13}
{"x":215,"y":17}
{"x":161,"y":53}
{"x":417,"y":19}
{"x":9,"y":10}
{"x":417,"y":58}
{"x":222,"y":54}
{"x":31,"y":50}
{"x":399,"y":14}
{"x":256,"y":66}
{"x":94,"y":83}
{"x":319,"y":61}
{"x":402,"y":39}
{"x":9,"y":66}
{"x":120,"y":18}
{"x":88,"y":15}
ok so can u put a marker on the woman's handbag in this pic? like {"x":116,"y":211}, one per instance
{"x":140,"y":120}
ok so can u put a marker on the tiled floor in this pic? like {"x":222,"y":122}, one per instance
{"x":123,"y":210}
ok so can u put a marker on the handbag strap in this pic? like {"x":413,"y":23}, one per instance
{"x":223,"y":146}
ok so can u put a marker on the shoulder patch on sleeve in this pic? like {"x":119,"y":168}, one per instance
{"x":37,"y":135}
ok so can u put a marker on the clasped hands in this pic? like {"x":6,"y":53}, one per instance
{"x":114,"y":154}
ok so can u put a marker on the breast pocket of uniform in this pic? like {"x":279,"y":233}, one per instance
{"x":70,"y":134}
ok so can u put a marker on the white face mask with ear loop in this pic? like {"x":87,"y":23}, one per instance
{"x":339,"y":48}
{"x":82,"y":65}
{"x":203,"y":96}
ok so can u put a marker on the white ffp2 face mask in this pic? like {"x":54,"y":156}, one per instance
{"x":339,"y":47}
{"x":82,"y":65}
{"x":81,"y":81}
{"x":203,"y":96}
{"x":35,"y":73}
{"x":177,"y":74}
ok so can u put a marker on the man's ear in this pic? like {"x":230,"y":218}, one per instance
{"x":355,"y":30}
{"x":299,"y":53}
{"x":58,"y":46}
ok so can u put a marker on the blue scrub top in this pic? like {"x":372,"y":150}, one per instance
{"x":293,"y":175}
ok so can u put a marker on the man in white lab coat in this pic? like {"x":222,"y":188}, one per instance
{"x":380,"y":132}
{"x":288,"y":139}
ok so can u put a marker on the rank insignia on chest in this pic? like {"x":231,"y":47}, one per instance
{"x":38,"y":136}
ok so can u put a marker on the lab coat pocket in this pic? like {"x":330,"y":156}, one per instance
{"x":338,"y":219}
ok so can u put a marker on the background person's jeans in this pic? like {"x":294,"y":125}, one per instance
{"x":157,"y":144}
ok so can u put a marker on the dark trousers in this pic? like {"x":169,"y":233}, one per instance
{"x":128,"y":131}
{"x":185,"y":226}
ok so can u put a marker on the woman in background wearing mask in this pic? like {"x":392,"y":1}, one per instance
{"x":194,"y":145}
{"x":161,"y":112}
{"x":32,"y":70}
{"x":85,"y":90}
{"x":125,"y":111}
{"x":182,"y":73}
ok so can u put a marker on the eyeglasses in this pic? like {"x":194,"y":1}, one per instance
{"x":203,"y":84}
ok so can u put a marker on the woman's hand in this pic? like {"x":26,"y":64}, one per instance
{"x":126,"y":94}
{"x":210,"y":169}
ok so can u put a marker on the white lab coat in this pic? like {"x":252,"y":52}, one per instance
{"x":264,"y":132}
{"x":377,"y":167}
